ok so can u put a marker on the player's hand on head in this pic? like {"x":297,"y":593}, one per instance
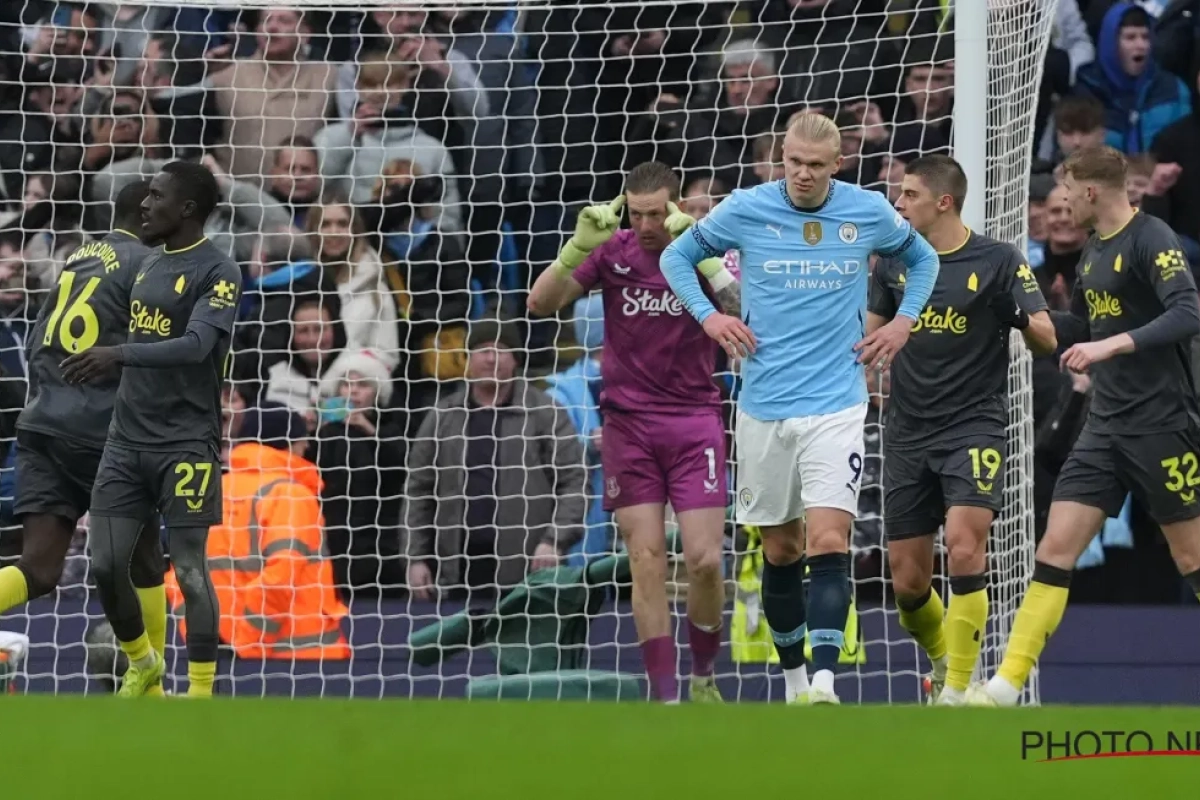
{"x":677,"y":221}
{"x":596,"y":224}
{"x":734,"y":336}
{"x":880,"y":348}
{"x":92,"y":365}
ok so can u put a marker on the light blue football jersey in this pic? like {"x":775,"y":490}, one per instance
{"x":805,"y":275}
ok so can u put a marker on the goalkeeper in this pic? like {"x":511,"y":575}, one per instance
{"x":805,"y":244}
{"x":944,"y":447}
{"x":663,"y":433}
{"x":61,"y":433}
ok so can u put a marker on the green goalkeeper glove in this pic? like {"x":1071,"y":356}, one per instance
{"x":594,"y":226}
{"x":677,"y":222}
{"x":714,"y":271}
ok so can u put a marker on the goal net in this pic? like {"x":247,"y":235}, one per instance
{"x":393,"y":176}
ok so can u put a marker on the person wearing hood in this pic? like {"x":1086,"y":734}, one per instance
{"x":1139,"y":98}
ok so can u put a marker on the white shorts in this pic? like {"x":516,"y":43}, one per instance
{"x":787,"y":465}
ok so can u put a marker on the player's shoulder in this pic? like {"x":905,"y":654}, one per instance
{"x":992,"y":252}
{"x":216,"y":263}
{"x":861,"y":201}
{"x":1149,"y":230}
{"x":763,"y":197}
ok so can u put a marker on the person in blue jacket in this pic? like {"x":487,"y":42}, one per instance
{"x":1140,"y":98}
{"x":577,"y":389}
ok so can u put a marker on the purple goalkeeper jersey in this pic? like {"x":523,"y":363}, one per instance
{"x":656,"y":356}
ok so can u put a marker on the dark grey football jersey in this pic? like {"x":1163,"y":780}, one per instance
{"x":951,"y":378}
{"x":157,"y":409}
{"x":88,"y":308}
{"x":1124,"y":282}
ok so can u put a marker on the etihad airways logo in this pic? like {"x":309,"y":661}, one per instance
{"x":805,"y":273}
{"x":935,"y":321}
{"x":645,"y":301}
{"x":148,"y":320}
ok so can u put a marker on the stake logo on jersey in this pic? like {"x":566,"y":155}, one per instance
{"x":650,"y":302}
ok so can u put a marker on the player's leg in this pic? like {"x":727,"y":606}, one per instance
{"x":768,"y":496}
{"x":913,"y":512}
{"x":49,"y":502}
{"x":146,"y":572}
{"x":696,"y":483}
{"x":1088,"y":491}
{"x":644,"y":535}
{"x":189,"y":497}
{"x":973,"y":485}
{"x":831,"y":462}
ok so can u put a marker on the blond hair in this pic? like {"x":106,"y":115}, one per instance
{"x":814,"y":127}
{"x":1103,"y":165}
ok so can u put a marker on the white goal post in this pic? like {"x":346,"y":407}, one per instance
{"x":449,"y":146}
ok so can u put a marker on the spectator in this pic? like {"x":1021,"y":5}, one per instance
{"x":496,"y":478}
{"x":338,"y":237}
{"x":1172,"y":194}
{"x":273,"y":582}
{"x":296,"y":177}
{"x":69,"y":31}
{"x":1139,"y":177}
{"x":354,"y":153}
{"x":17,"y":313}
{"x":425,"y":268}
{"x":317,"y":338}
{"x":1040,"y":186}
{"x":359,"y":449}
{"x":577,"y":390}
{"x":52,"y":90}
{"x":1078,"y":124}
{"x":924,"y":116}
{"x":768,"y":157}
{"x":701,"y":195}
{"x":1064,"y":243}
{"x":1139,"y":98}
{"x":1070,"y":34}
{"x":270,"y":98}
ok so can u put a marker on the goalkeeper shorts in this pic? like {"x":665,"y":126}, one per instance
{"x":787,"y":465}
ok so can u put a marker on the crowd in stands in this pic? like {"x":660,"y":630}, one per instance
{"x":393,"y":180}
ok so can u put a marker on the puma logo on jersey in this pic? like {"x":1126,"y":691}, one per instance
{"x":777,"y":230}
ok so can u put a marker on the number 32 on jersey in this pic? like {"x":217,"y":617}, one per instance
{"x":73,"y":320}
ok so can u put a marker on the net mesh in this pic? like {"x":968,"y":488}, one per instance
{"x":393,"y":177}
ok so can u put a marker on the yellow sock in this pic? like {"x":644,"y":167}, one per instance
{"x":154,"y":616}
{"x":966,"y":621}
{"x":201,"y":675}
{"x":926,"y":626}
{"x":139,"y":649}
{"x":13,"y":588}
{"x":1039,"y":615}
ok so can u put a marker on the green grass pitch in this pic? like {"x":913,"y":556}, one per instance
{"x":76,"y":747}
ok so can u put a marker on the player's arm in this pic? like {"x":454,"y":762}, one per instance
{"x":726,"y":287}
{"x":577,"y":268}
{"x":881,"y":303}
{"x":896,"y":239}
{"x":1160,"y":261}
{"x":1071,"y":326}
{"x":708,"y":239}
{"x":1022,"y":306}
{"x":212,"y":317}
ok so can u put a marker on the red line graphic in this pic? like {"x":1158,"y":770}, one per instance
{"x":1133,"y":754}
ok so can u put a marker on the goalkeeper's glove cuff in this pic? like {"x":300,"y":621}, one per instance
{"x":572,"y":255}
{"x":722,"y":279}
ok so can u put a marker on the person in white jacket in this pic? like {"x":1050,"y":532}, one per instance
{"x":336,"y":234}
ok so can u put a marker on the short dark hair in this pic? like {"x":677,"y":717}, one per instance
{"x":1078,"y":114}
{"x":943,"y":175}
{"x":649,"y":177}
{"x":127,"y":208}
{"x":197,"y":184}
{"x":1103,"y":165}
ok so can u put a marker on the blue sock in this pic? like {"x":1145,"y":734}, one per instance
{"x":783,"y":606}
{"x":828,"y":604}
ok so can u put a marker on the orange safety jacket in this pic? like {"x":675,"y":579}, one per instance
{"x":274,"y":586}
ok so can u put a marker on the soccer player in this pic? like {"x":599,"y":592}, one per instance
{"x":944,"y":436}
{"x":1134,"y":311}
{"x":805,"y":244}
{"x":163,"y":444}
{"x":61,"y":432}
{"x":663,"y":434}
